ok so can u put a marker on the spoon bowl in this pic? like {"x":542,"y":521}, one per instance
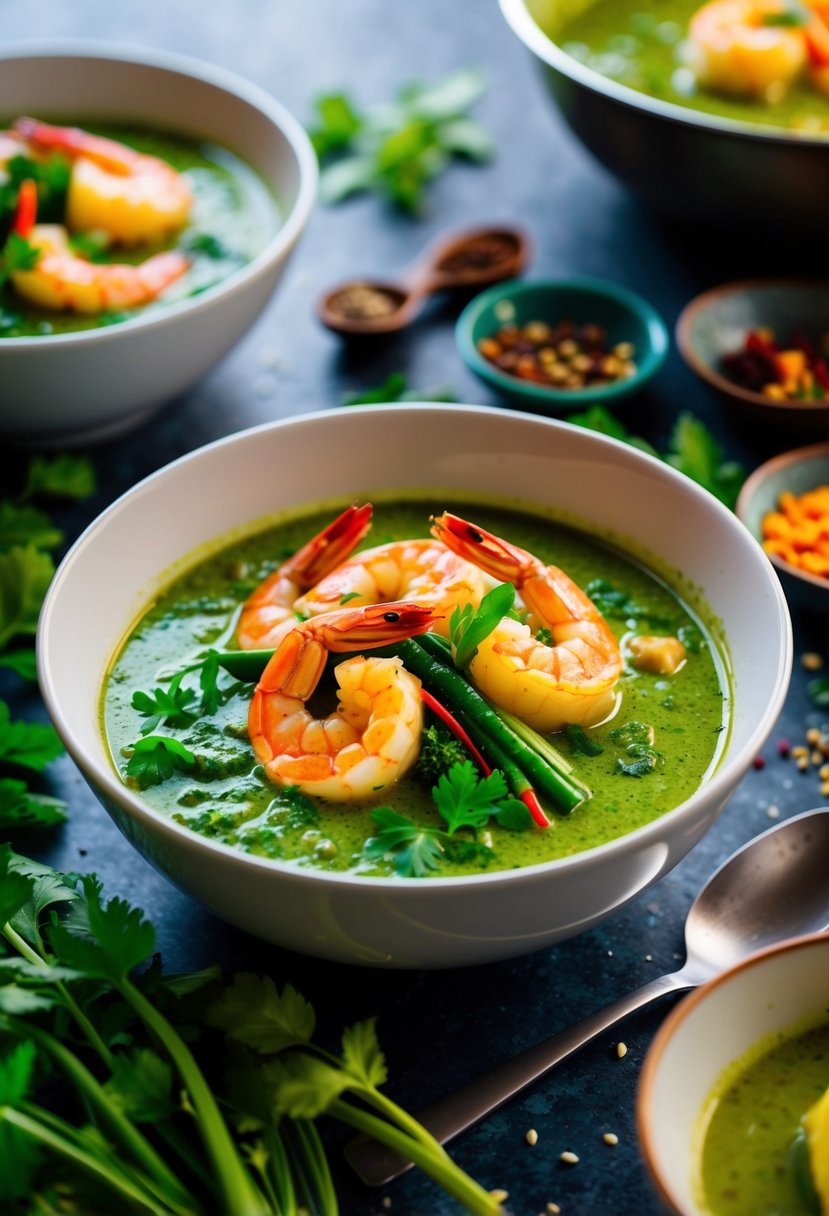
{"x":469,"y":258}
{"x":772,"y":889}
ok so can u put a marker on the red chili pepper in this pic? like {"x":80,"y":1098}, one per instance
{"x":26,"y":212}
{"x":759,"y":344}
{"x":530,"y":800}
{"x":454,"y":725}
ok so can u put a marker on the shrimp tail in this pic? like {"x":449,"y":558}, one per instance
{"x":496,"y":556}
{"x":160,"y":271}
{"x":74,"y":142}
{"x":329,"y":547}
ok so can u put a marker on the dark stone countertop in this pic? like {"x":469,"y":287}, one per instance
{"x":439,"y":1029}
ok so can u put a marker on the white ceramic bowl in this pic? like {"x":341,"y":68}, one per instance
{"x":774,"y":990}
{"x":67,"y":389}
{"x":342,"y":455}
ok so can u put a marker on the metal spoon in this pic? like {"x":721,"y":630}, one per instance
{"x":774,"y":887}
{"x":469,"y":258}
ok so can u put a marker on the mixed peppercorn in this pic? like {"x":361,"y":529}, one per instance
{"x":795,"y":371}
{"x":565,"y":355}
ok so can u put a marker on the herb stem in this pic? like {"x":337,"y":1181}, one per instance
{"x":242,"y":1196}
{"x":22,"y":946}
{"x":434,"y":1161}
{"x":84,"y":1160}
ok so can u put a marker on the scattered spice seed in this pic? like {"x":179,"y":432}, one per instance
{"x":813,"y":736}
{"x":563,"y":355}
{"x":773,"y":811}
{"x":812,"y":661}
{"x":553,"y":1209}
{"x":784,"y":747}
{"x":621,"y":1050}
{"x":568,"y":1157}
{"x":531,"y":1137}
{"x":759,"y":762}
{"x":610,"y":1138}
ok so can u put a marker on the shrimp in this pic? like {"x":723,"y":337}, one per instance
{"x":419,"y":571}
{"x":743,"y":49}
{"x":60,"y":279}
{"x":373,"y":737}
{"x":269,"y":613}
{"x":571,"y":680}
{"x":133,"y":197}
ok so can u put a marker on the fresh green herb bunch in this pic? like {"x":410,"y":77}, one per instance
{"x":397,"y":148}
{"x":27,"y":538}
{"x":122,"y":1089}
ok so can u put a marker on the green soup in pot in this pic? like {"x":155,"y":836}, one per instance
{"x":230,"y":800}
{"x":643,"y":45}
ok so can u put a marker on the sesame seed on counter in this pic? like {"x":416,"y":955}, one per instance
{"x":568,"y":1157}
{"x":610,"y":1138}
{"x":621,"y":1050}
{"x":531,"y":1137}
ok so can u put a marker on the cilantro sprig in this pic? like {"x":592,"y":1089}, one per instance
{"x":27,"y":537}
{"x":465,"y":802}
{"x":122,"y":1088}
{"x":395,"y":388}
{"x":396,"y":149}
{"x":468,"y":626}
{"x":692,"y":449}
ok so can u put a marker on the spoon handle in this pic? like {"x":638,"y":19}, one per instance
{"x":376,"y":1164}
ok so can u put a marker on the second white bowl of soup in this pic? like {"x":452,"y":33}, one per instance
{"x":400,"y":875}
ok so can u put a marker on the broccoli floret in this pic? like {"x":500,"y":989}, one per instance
{"x":439,"y":750}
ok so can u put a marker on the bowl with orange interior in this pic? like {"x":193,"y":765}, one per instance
{"x":149,"y":206}
{"x":442,"y":707}
{"x":785,"y":504}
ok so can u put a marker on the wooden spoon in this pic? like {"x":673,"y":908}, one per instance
{"x":469,"y":258}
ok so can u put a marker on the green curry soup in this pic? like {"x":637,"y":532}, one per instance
{"x":643,"y":44}
{"x":232,"y":218}
{"x":747,"y":1167}
{"x":230,"y":800}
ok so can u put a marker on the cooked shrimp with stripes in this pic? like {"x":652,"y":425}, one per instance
{"x":569,"y":680}
{"x":372,"y":738}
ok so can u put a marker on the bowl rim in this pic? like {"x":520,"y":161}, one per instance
{"x":717,"y":787}
{"x":758,"y":477}
{"x":280,"y":243}
{"x":517,"y":15}
{"x":589,"y":286}
{"x":675,"y":1019}
{"x":705,"y":371}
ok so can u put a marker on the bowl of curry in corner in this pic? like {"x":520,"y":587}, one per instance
{"x":282,"y":700}
{"x":150,"y":204}
{"x":716,"y":112}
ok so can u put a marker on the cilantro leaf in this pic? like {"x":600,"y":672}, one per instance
{"x":20,"y":808}
{"x":465,"y":800}
{"x":818,"y":690}
{"x":155,"y":758}
{"x":16,"y":889}
{"x":63,"y":476}
{"x":106,"y":940}
{"x":30,"y":744}
{"x":620,"y":605}
{"x":23,"y":662}
{"x":697,"y":454}
{"x":23,"y":525}
{"x":165,"y":706}
{"x":25,"y":575}
{"x":141,"y":1086}
{"x":253,"y":1011}
{"x":395,"y":388}
{"x":304,"y":1086}
{"x":337,"y":123}
{"x":599,"y":418}
{"x":211,"y":697}
{"x":469,"y":626}
{"x":362,"y":1057}
{"x":416,"y":851}
{"x":17,"y":254}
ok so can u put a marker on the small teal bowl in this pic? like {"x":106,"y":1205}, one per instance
{"x":624,"y":315}
{"x":798,"y":471}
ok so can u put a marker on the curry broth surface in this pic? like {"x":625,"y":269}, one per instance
{"x":642,"y":44}
{"x":688,"y":711}
{"x":233,"y":217}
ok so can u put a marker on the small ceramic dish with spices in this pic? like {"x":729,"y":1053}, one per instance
{"x":785,"y":506}
{"x":764,"y":346}
{"x":733,"y":1100}
{"x":558,"y":344}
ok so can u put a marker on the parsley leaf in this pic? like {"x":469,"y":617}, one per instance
{"x":106,"y":940}
{"x":166,"y":706}
{"x":362,"y":1057}
{"x":63,"y":476}
{"x":395,"y":388}
{"x":21,"y":525}
{"x":141,"y":1086}
{"x":465,"y":800}
{"x":155,"y":758}
{"x":469,"y":626}
{"x":396,"y":149}
{"x":25,"y":575}
{"x":254,"y":1011}
{"x":30,"y":744}
{"x":416,"y":851}
{"x":19,"y":1155}
{"x":20,"y":808}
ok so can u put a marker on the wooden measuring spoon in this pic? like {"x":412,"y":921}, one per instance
{"x":468,"y":258}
